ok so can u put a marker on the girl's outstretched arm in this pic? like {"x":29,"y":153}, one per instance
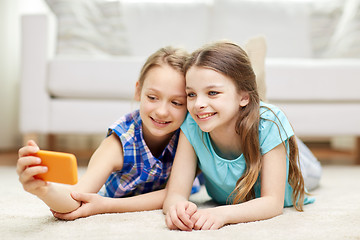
{"x":180,"y":189}
{"x":93,"y":204}
{"x":270,"y":204}
{"x":107,"y":158}
{"x":176,"y":206}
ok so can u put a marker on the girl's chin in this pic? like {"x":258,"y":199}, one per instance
{"x":160,"y":133}
{"x":205,"y":129}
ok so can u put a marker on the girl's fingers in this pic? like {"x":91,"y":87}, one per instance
{"x":81,"y":197}
{"x":24,"y":162}
{"x":215,"y":226}
{"x":204,"y":221}
{"x":32,"y":143}
{"x":191,"y":209}
{"x":67,"y":216}
{"x":184,"y":218}
{"x":25,"y":158}
{"x":179,"y":216}
{"x":29,"y":173}
{"x":194,"y":219}
{"x":200,"y":220}
{"x":176,"y":220}
{"x":169,"y":223}
{"x":207,"y":224}
{"x":35,"y":170}
{"x":28,"y":150}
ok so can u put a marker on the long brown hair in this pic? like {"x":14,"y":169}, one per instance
{"x":232,"y":61}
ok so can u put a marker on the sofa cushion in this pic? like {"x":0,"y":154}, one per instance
{"x":313,"y":80}
{"x":285,"y":24}
{"x":324,"y":18}
{"x":153,"y":24}
{"x":105,"y":78}
{"x":89,"y":27}
{"x":346,"y":40}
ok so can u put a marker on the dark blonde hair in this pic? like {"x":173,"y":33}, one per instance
{"x":231,"y":60}
{"x":170,"y":56}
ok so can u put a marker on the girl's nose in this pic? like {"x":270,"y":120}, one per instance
{"x":162,"y":110}
{"x":200,"y":103}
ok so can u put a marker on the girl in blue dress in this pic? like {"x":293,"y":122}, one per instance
{"x":245,"y":148}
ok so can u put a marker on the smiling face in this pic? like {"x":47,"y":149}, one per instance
{"x":212,"y":99}
{"x":162,"y":102}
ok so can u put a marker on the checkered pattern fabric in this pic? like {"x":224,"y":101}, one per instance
{"x":141,"y":172}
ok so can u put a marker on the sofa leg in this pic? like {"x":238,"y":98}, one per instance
{"x":51,"y":142}
{"x":357,"y":151}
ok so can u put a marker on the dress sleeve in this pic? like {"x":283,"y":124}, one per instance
{"x":189,"y":127}
{"x":274,"y":128}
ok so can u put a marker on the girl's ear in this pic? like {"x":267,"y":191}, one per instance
{"x":137,"y":91}
{"x":244,"y":99}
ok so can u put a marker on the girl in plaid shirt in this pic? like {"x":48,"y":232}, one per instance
{"x":133,"y":163}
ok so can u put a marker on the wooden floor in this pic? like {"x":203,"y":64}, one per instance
{"x":323,"y":152}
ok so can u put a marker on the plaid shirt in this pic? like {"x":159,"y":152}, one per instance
{"x":141,"y":172}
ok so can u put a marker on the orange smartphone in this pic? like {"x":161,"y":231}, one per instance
{"x":62,"y":167}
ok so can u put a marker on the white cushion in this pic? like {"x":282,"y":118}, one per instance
{"x":107,"y":78}
{"x":332,"y":80}
{"x":155,"y":24}
{"x":285,"y":24}
{"x":323,"y":118}
{"x":324,"y":18}
{"x":346,"y":40}
{"x":89,"y":27}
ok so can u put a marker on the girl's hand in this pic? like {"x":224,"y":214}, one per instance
{"x":91,"y":204}
{"x":26,"y":169}
{"x":208,"y":219}
{"x":179,"y":216}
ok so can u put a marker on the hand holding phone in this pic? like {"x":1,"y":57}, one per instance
{"x":62,"y":167}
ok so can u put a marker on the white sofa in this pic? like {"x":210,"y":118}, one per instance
{"x":85,"y":93}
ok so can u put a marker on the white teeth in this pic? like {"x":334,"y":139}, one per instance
{"x":205,"y":115}
{"x":159,"y":122}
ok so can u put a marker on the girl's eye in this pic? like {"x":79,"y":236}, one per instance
{"x":191,"y":95}
{"x":151,"y":97}
{"x":213,"y":93}
{"x":177,"y":103}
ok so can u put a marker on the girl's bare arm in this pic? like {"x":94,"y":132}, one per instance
{"x":270,"y":204}
{"x":107,"y":158}
{"x":93,"y":204}
{"x":176,"y":206}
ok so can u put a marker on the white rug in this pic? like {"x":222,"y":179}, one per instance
{"x":334,"y":215}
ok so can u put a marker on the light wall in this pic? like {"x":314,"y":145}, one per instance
{"x":10,"y":12}
{"x":9,"y":74}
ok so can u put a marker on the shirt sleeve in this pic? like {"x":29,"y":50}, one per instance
{"x":274,"y":128}
{"x":189,"y":127}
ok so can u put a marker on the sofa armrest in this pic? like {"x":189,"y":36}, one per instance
{"x":38,"y":42}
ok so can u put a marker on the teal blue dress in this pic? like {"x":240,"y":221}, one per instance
{"x":222,"y":174}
